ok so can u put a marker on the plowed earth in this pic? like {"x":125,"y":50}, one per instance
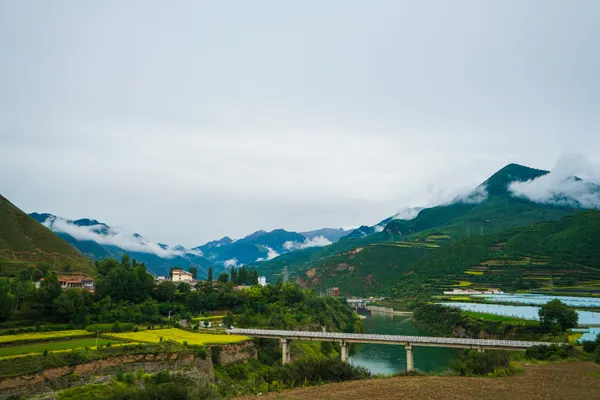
{"x":569,"y":381}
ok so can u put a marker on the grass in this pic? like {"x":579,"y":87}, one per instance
{"x":178,"y":335}
{"x":494,"y":317}
{"x":25,"y":242}
{"x":474,"y":272}
{"x":52,"y":346}
{"x":464,"y":283}
{"x":41,"y":336}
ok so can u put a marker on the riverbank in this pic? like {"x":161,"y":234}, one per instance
{"x":568,"y":380}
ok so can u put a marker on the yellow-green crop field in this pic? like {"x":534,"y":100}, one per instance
{"x":438,"y":237}
{"x":474,"y":272}
{"x":177,"y":335}
{"x":210,"y":318}
{"x":464,"y":283}
{"x":40,"y":336}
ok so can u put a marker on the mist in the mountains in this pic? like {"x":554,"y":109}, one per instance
{"x":317,"y":241}
{"x":231,"y":263}
{"x":114,"y":237}
{"x":270,"y":255}
{"x":572,"y":182}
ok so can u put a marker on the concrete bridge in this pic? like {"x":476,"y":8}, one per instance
{"x":408,"y":342}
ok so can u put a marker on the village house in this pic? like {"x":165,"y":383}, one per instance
{"x":77,"y":282}
{"x":162,"y":278}
{"x":180,"y":275}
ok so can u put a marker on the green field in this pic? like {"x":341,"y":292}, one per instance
{"x":494,"y":317}
{"x":52,"y":346}
{"x":40,"y":336}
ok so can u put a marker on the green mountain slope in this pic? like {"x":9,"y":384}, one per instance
{"x":547,"y":255}
{"x":25,"y":242}
{"x":489,"y":210}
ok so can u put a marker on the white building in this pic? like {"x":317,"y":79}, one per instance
{"x":180,"y":275}
{"x":162,"y":278}
{"x":262,"y":280}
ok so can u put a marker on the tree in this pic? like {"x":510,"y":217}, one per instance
{"x":165,"y":291}
{"x":194,"y":272}
{"x":234,"y":275}
{"x":49,"y":290}
{"x":184,"y":287}
{"x":556,"y":315}
{"x":6,"y":300}
{"x":210,"y":275}
{"x":36,"y":275}
{"x":69,"y":306}
{"x":228,"y":320}
{"x":223,"y":277}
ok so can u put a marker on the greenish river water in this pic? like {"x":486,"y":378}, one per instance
{"x":388,"y":359}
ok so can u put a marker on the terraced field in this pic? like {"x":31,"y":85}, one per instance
{"x":177,"y":335}
{"x":42,"y":336}
{"x":52,"y":346}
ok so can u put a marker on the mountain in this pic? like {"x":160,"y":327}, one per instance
{"x":262,"y":245}
{"x":25,"y":242}
{"x":98,"y":241}
{"x":367,"y":260}
{"x":331,"y":234}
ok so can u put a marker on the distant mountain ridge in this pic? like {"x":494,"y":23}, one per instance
{"x":97,"y":240}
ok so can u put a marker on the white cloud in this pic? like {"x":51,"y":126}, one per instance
{"x":562,"y":185}
{"x":408,"y":213}
{"x":271,"y":253}
{"x":317,"y":241}
{"x":476,"y":196}
{"x":114,"y":237}
{"x":231,"y":263}
{"x":378,"y":228}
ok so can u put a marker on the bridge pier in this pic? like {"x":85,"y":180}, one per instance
{"x":344,"y":351}
{"x":285,"y":350}
{"x":410,"y":360}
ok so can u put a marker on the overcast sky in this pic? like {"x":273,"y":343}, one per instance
{"x":189,"y":120}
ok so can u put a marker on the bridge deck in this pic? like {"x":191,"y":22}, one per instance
{"x":389,"y":339}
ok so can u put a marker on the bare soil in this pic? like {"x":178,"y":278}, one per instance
{"x":569,"y":381}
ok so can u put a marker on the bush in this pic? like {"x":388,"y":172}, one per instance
{"x":215,"y":352}
{"x":474,"y":363}
{"x":105,"y":328}
{"x":201,"y":353}
{"x":589,"y":347}
{"x":552,"y":353}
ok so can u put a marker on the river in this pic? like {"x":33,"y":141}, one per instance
{"x":389,"y":359}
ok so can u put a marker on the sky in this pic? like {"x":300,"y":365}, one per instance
{"x":187,"y":121}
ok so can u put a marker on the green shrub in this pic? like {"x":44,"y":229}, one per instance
{"x":474,"y":363}
{"x":106,"y":328}
{"x":215,"y":352}
{"x":201,"y":353}
{"x":551,"y":353}
{"x":589,"y":347}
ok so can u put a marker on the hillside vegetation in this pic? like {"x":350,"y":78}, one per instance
{"x":460,"y":241}
{"x":25,"y":242}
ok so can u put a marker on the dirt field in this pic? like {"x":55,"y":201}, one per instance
{"x":569,"y":381}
